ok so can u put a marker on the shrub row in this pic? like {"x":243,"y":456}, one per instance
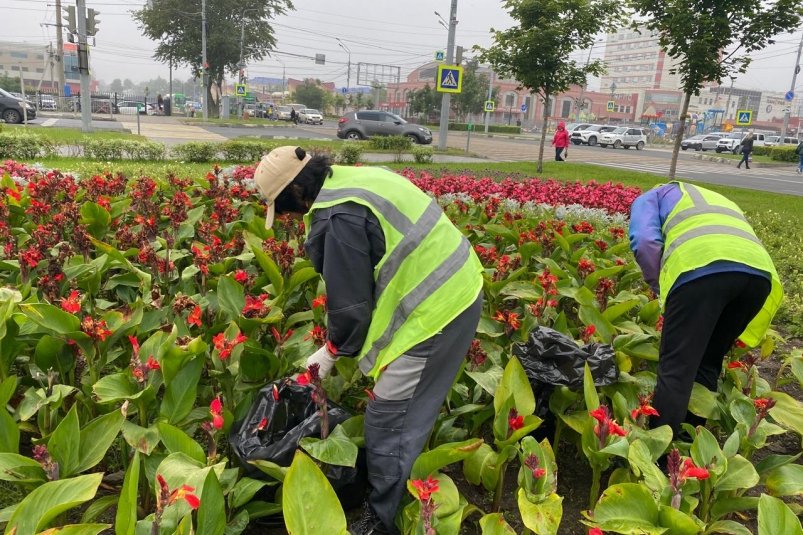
{"x":494,"y":128}
{"x":123,"y":149}
{"x":784,"y":153}
{"x":25,"y":146}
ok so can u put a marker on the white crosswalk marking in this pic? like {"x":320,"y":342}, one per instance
{"x":50,"y":122}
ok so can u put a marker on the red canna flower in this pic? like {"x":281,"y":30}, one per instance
{"x":216,"y":410}
{"x":95,"y":329}
{"x":508,"y":318}
{"x":134,"y":344}
{"x":319,"y":301}
{"x":153,"y":364}
{"x":281,"y":339}
{"x":195,"y":316}
{"x":644,"y":408}
{"x":585,"y":267}
{"x":532,"y":463}
{"x":738,"y":343}
{"x":764,"y":404}
{"x":317,"y":335}
{"x":595,"y":531}
{"x":606,"y":426}
{"x":165,"y":497}
{"x":515,"y":421}
{"x":224,"y":346}
{"x":689,"y":470}
{"x":737,"y":365}
{"x":425,"y":488}
{"x":241,"y":276}
{"x":255,"y":307}
{"x":588,"y":332}
{"x":72,"y":304}
{"x":303,"y":378}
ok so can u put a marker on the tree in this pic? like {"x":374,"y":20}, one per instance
{"x":311,"y":94}
{"x":116,"y":86}
{"x":474,"y":92}
{"x":176,"y":25}
{"x":358,"y":100}
{"x":425,"y":100}
{"x":536,"y":51}
{"x":711,"y":39}
{"x":128,"y":84}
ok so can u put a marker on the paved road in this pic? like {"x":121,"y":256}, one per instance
{"x":170,"y":130}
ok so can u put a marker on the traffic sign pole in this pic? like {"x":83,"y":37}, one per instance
{"x":490,"y":91}
{"x":447,"y":99}
{"x":788,"y":110}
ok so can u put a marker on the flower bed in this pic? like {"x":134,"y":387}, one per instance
{"x":141,"y":317}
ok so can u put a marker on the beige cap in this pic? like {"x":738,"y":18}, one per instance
{"x":276,"y":170}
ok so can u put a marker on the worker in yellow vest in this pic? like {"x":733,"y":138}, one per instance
{"x":403,"y":294}
{"x":715,"y":281}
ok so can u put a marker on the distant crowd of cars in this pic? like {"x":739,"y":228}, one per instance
{"x":732,"y":141}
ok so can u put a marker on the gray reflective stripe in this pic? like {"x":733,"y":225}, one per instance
{"x":412,"y":300}
{"x":696,"y":195}
{"x":411,"y":240}
{"x":683,"y":215}
{"x":707,"y":230}
{"x":392,"y":215}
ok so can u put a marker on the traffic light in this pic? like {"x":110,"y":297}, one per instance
{"x":70,"y":19}
{"x":92,"y":21}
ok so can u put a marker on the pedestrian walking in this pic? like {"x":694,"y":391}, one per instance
{"x":408,"y":323}
{"x":715,"y":281}
{"x":160,"y":103}
{"x":561,"y":142}
{"x":293,"y":115}
{"x":746,"y":148}
{"x":799,"y":152}
{"x":270,"y":111}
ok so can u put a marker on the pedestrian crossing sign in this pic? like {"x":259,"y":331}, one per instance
{"x":240,"y":90}
{"x":490,"y":105}
{"x":450,"y":79}
{"x":744,"y":117}
{"x":611,"y":105}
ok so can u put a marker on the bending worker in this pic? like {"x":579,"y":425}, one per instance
{"x":714,"y":279}
{"x":404,"y":298}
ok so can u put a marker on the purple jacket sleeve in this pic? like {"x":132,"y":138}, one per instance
{"x":646,"y":239}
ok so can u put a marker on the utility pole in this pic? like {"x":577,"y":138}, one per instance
{"x":83,"y":65}
{"x":204,"y":66}
{"x":788,"y":109}
{"x":60,"y":51}
{"x":447,"y":101}
{"x":728,"y":103}
{"x":490,"y":94}
{"x":348,"y":71}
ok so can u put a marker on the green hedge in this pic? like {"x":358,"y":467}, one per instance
{"x":785,"y":153}
{"x":246,"y":150}
{"x":494,"y":128}
{"x":122,"y":149}
{"x":25,"y":146}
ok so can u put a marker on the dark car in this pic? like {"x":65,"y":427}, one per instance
{"x":12,"y":109}
{"x":368,"y":123}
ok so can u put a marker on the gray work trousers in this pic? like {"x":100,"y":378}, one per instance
{"x":409,"y":395}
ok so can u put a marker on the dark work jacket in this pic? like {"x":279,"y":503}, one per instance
{"x":747,"y":144}
{"x":345,"y":244}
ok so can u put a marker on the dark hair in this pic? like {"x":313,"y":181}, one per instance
{"x":302,"y":191}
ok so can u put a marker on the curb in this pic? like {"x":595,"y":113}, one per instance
{"x":733,"y":163}
{"x":235,"y":125}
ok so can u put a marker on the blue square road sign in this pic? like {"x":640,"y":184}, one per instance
{"x":450,"y":79}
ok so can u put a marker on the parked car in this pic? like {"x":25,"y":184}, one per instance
{"x":772,"y":141}
{"x":47,"y":103}
{"x":367,"y":123}
{"x":13,"y":109}
{"x":310,"y":116}
{"x":733,"y":141}
{"x":701,"y":142}
{"x":129,"y":107}
{"x":590,"y":136}
{"x":577,"y":127}
{"x":283,"y":113}
{"x":624,"y":136}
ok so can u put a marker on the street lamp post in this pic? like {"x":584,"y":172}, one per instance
{"x":348,"y":71}
{"x":613,"y":92}
{"x":446,"y":102}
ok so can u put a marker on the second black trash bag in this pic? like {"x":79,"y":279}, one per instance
{"x":550,"y":357}
{"x":281,"y":415}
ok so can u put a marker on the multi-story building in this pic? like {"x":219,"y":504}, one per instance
{"x":39,"y":63}
{"x":635,"y":61}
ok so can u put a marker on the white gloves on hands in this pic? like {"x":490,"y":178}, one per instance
{"x":324,"y":359}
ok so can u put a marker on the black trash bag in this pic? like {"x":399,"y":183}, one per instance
{"x":552,"y":358}
{"x":290,"y":418}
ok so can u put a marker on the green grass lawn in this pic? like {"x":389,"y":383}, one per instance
{"x":753,"y":158}
{"x":335,"y":144}
{"x":71,"y":135}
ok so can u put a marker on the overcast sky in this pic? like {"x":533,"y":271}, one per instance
{"x":399,"y":32}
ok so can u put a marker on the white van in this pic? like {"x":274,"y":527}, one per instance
{"x":776,"y":140}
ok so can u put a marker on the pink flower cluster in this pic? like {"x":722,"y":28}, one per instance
{"x":614,"y":198}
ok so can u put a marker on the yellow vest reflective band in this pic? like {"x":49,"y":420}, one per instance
{"x":429,"y":273}
{"x":705,"y":227}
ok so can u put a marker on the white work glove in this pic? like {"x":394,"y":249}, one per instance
{"x":324,"y":359}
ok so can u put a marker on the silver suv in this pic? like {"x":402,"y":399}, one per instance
{"x":367,"y":123}
{"x":624,"y":136}
{"x":591,"y":134}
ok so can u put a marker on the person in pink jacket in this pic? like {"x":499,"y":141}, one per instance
{"x":561,"y":142}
